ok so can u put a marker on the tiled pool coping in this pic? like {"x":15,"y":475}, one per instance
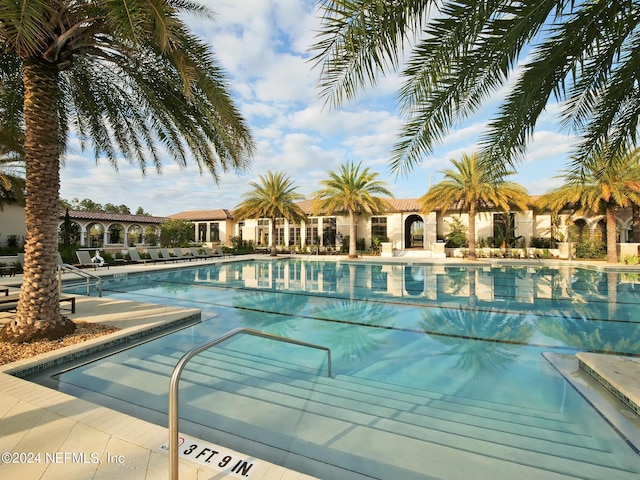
{"x":619,"y":415}
{"x":25,"y":369}
{"x":619,"y":375}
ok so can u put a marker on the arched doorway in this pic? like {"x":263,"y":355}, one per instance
{"x":414,"y":232}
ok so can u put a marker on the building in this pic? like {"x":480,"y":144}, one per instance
{"x":88,"y":229}
{"x":405,"y":230}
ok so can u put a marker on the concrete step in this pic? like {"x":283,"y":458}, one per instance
{"x":396,"y":417}
{"x":319,"y":424}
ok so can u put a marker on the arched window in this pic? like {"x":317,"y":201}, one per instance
{"x":134,"y":235}
{"x":116,"y":234}
{"x":95,"y":235}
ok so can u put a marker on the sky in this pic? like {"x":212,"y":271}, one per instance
{"x":264,"y":47}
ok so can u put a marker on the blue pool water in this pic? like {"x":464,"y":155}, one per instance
{"x":438,"y":370}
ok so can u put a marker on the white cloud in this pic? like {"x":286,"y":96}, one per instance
{"x":263,"y":45}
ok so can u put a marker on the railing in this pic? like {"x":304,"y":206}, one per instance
{"x":91,"y":279}
{"x":177,"y":371}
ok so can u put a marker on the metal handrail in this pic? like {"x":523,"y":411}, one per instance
{"x":81,"y":273}
{"x":177,"y":371}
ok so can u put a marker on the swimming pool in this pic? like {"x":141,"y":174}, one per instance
{"x":438,"y":369}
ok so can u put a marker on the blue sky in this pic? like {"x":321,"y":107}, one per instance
{"x":263,"y":46}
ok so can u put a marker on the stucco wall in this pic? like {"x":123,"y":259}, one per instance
{"x":12,"y":223}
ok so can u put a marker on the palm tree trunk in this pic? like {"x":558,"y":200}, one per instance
{"x":352,"y":235}
{"x":472,"y":231}
{"x":612,"y":247}
{"x":38,"y":312}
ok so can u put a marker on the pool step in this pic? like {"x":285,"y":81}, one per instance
{"x":437,"y":406}
{"x":560,"y":450}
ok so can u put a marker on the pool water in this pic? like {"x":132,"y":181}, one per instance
{"x":437,"y":370}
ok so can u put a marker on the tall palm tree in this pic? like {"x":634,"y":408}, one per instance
{"x":470,"y":186}
{"x":126,"y":78}
{"x":355,"y":192}
{"x":606,"y":182}
{"x":583,"y":53}
{"x":274,"y":197}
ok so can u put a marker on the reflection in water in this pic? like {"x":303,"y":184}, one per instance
{"x":250,"y":302}
{"x":479,"y":358}
{"x":563,"y":306}
{"x":354,"y":343}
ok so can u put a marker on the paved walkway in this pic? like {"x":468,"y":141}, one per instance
{"x":50,"y":435}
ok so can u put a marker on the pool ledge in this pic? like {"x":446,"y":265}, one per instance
{"x":620,"y":375}
{"x":135,"y":321}
{"x":607,"y":403}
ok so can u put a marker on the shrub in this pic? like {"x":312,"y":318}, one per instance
{"x":590,"y":249}
{"x":457,"y":234}
{"x":540,"y":242}
{"x":630,"y":259}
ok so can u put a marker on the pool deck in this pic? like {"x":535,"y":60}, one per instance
{"x":51,"y":435}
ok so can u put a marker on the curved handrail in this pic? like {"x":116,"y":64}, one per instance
{"x":81,"y":273}
{"x":177,"y":371}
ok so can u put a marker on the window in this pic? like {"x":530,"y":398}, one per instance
{"x":214,"y":232}
{"x":379,"y":227}
{"x":263,"y":231}
{"x":329,"y":231}
{"x":202,"y":232}
{"x":312,"y":232}
{"x":294,"y":234}
{"x":278,"y":231}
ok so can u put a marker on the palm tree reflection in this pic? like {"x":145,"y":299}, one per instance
{"x":484,"y":340}
{"x":583,"y":333}
{"x":271,"y":311}
{"x":351,"y":337}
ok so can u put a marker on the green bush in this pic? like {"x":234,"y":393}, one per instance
{"x":457,"y":235}
{"x":540,"y":242}
{"x":630,"y":260}
{"x":590,"y":249}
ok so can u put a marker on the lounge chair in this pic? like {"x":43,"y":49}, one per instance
{"x":135,"y":257}
{"x":10,"y":302}
{"x":195,"y":252}
{"x":85,"y":260}
{"x":153,"y":253}
{"x":183,"y":254}
{"x":211,"y":254}
{"x":221,"y":252}
{"x":165,"y":254}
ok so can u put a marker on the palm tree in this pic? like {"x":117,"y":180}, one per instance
{"x":123,"y":77}
{"x":583,"y":53}
{"x":355,"y":192}
{"x":470,"y":186}
{"x":273,"y":198}
{"x":605,"y":183}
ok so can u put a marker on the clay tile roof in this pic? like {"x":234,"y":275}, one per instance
{"x":404,"y":204}
{"x":203,"y":215}
{"x":113,"y":217}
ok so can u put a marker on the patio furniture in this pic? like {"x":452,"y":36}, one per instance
{"x":135,"y":257}
{"x":153,"y":253}
{"x":85,"y":260}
